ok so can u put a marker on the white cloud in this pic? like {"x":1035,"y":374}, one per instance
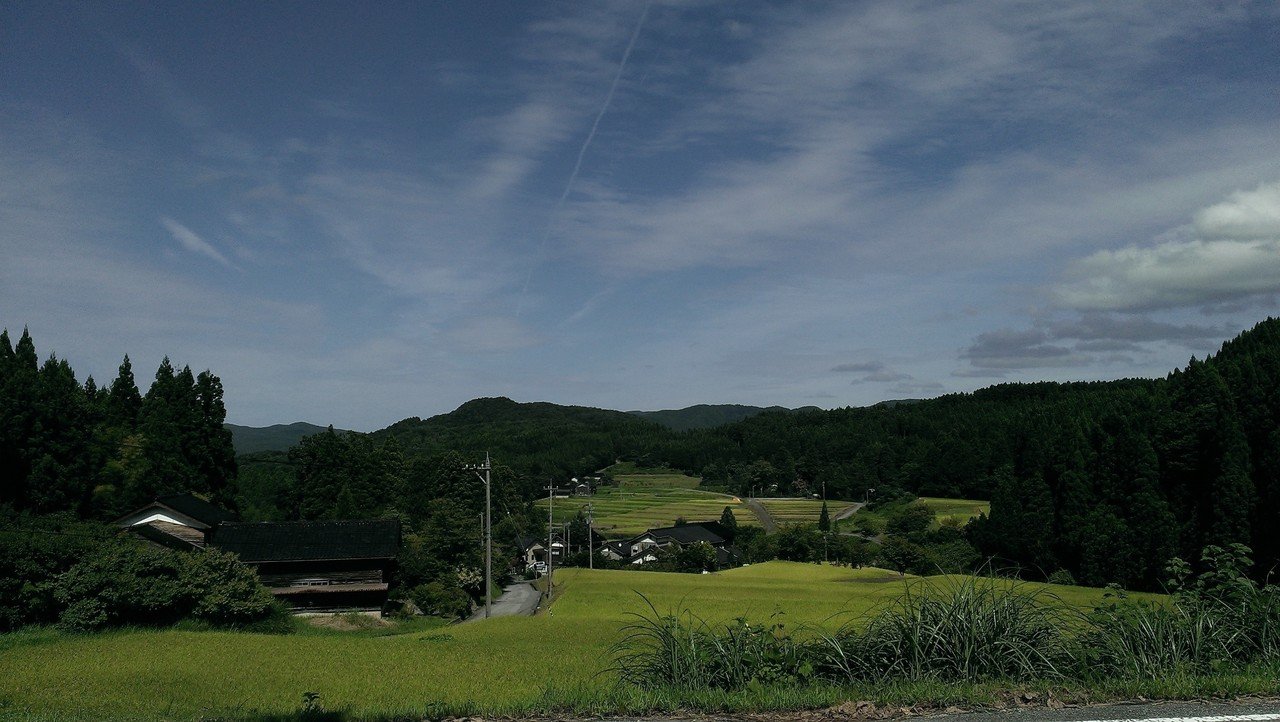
{"x":1246,"y":214}
{"x":192,"y":241}
{"x":1232,"y":252}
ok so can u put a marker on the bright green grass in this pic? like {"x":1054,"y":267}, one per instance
{"x":961,"y":510}
{"x":499,"y":666}
{"x":801,"y":511}
{"x":647,"y":501}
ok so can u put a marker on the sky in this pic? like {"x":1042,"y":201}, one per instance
{"x":354,"y":213}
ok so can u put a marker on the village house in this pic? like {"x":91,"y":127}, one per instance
{"x":312,"y":566}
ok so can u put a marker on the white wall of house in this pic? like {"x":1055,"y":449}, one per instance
{"x":146,"y":516}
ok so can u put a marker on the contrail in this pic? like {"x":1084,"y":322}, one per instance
{"x":582,"y":151}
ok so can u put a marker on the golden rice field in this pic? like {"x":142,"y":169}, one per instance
{"x":503,"y":665}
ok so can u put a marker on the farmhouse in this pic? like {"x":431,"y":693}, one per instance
{"x":313,"y":566}
{"x":318,"y":566}
{"x":644,"y":548}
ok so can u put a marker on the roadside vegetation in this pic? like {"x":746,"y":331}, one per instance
{"x":566,"y":661}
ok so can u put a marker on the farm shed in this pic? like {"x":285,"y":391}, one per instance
{"x":318,"y":566}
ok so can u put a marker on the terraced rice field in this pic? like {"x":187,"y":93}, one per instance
{"x":961,"y":510}
{"x":646,"y":501}
{"x":801,"y":511}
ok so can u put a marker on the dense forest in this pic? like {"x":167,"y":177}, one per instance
{"x":1105,"y":481}
{"x":100,"y":451}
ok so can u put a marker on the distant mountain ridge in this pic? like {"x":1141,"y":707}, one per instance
{"x":707,"y":416}
{"x":277,"y":437}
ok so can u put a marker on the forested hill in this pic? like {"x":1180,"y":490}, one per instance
{"x":1106,"y":480}
{"x":704,"y":416}
{"x":542,"y":439}
{"x":277,"y":437}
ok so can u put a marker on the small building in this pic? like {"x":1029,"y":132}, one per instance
{"x":318,"y":566}
{"x":179,"y":521}
{"x":313,"y":566}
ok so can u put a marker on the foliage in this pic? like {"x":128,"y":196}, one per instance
{"x":439,"y":600}
{"x":33,"y":552}
{"x":681,"y":650}
{"x":131,"y":583}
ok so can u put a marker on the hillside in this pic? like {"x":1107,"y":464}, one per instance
{"x":277,"y":437}
{"x":545,"y":440}
{"x":704,"y":416}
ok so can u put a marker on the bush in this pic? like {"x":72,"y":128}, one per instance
{"x":437,"y":600}
{"x":33,"y":552}
{"x":129,"y":582}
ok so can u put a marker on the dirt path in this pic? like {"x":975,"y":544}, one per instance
{"x":848,"y":511}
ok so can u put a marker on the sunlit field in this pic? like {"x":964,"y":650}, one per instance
{"x":504,"y":665}
{"x":646,"y":501}
{"x":960,"y":510}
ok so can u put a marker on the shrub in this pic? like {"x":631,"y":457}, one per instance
{"x":437,"y":600}
{"x":129,"y":582}
{"x":33,"y":552}
{"x":227,"y":593}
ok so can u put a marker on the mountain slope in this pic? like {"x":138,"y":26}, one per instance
{"x":703,"y":416}
{"x":277,"y":437}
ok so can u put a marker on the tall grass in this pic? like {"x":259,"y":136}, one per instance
{"x":970,"y":630}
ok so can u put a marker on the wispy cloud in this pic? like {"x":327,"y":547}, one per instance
{"x":191,"y":241}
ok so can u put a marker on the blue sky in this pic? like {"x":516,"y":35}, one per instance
{"x":354,"y":213}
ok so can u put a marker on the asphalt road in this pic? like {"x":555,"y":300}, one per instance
{"x":1245,"y":711}
{"x":518,"y":599}
{"x":1250,"y":711}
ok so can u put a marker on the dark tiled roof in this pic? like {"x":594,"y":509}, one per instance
{"x":310,"y":540}
{"x":687,"y":534}
{"x":196,"y":508}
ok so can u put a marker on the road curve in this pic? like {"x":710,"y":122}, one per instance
{"x":766,"y":519}
{"x":518,"y":599}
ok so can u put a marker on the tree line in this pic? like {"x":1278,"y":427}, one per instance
{"x":101,"y":451}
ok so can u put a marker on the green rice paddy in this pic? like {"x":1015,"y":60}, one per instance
{"x":646,"y":501}
{"x":959,"y":510}
{"x":801,"y":511}
{"x":501,"y":666}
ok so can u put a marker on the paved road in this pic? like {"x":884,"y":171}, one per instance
{"x":1248,"y":711}
{"x":766,"y":519}
{"x":518,"y":599}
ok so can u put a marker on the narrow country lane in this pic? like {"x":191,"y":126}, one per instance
{"x":518,"y":599}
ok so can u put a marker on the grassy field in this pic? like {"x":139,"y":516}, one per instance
{"x":498,"y":666}
{"x":797,"y":511}
{"x":961,"y":510}
{"x":654,"y":498}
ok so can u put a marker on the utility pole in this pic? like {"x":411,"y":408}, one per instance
{"x":486,"y":467}
{"x":591,"y":542}
{"x":551,"y":502}
{"x":826,"y":535}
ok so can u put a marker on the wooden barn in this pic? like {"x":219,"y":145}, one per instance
{"x":318,"y":566}
{"x":178,"y":521}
